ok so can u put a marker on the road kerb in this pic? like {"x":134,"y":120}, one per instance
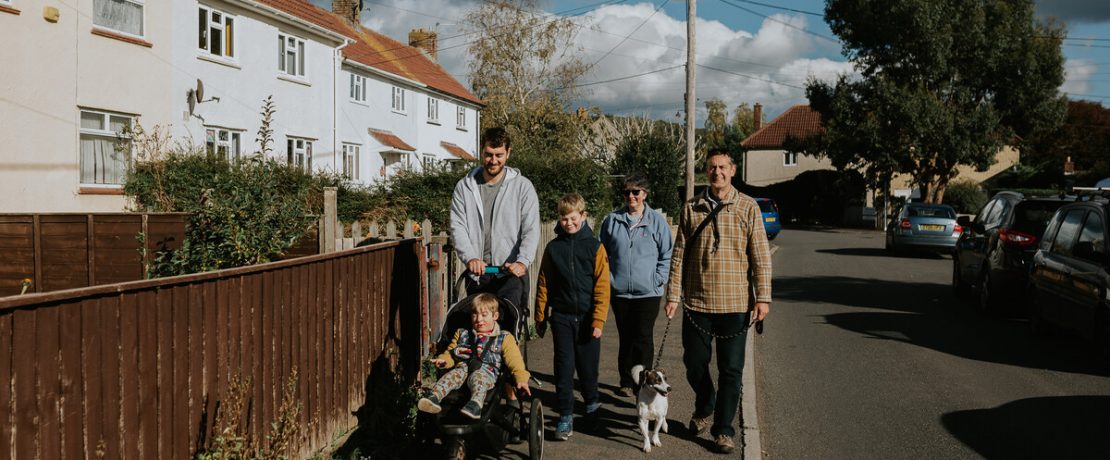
{"x":753,"y":450}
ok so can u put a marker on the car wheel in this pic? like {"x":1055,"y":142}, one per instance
{"x":772,"y":236}
{"x":987,"y":298}
{"x":959,"y":288}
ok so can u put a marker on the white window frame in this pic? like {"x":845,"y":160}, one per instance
{"x":351,"y":160}
{"x":427,"y":161}
{"x":231,"y":142}
{"x":358,"y":88}
{"x":460,"y":118}
{"x":398,"y":100}
{"x":227,"y":28}
{"x":789,"y":158}
{"x":5,"y":2}
{"x":104,"y":133}
{"x":298,"y":152}
{"x":142,"y":6}
{"x":433,"y":110}
{"x":290,"y":44}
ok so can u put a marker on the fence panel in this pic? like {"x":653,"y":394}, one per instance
{"x":143,"y":369}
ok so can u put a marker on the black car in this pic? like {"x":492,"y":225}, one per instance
{"x":1068,"y":280}
{"x":995,"y":249}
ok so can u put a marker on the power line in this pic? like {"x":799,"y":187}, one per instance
{"x":751,"y":77}
{"x":792,"y":26}
{"x":627,"y":77}
{"x":637,"y":29}
{"x":820,"y":15}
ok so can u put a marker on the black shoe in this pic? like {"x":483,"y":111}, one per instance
{"x":472,"y":409}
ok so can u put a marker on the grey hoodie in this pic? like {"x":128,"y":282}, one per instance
{"x":516,"y":219}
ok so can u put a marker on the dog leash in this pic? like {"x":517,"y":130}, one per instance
{"x":659,"y":355}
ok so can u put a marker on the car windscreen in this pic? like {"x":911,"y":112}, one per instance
{"x":765,"y":206}
{"x":1032,"y":216}
{"x":931,"y":211}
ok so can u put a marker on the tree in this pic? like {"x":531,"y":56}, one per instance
{"x":743,"y":120}
{"x":658,"y":155}
{"x":1084,"y":138}
{"x":943,"y":83}
{"x":716,"y":123}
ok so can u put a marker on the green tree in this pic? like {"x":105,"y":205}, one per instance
{"x":944,"y":83}
{"x":659,"y":156}
{"x":716,"y":123}
{"x":1084,"y":138}
{"x":743,"y":120}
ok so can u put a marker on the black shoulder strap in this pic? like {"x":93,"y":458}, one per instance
{"x":712,"y":215}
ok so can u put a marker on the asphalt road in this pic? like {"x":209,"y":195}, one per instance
{"x":868,"y":355}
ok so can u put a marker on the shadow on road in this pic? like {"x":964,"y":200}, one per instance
{"x":879,"y":252}
{"x":1049,"y":427}
{"x":927,"y":315}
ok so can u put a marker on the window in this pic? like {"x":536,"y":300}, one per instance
{"x":460,"y":118}
{"x":428,"y":161}
{"x":299,"y":153}
{"x":789,"y":158}
{"x":216,"y":32}
{"x":350,"y":160}
{"x":433,"y":110}
{"x":398,"y":99}
{"x":104,"y":158}
{"x":290,"y":55}
{"x":225,"y":143}
{"x":119,"y":15}
{"x":358,"y":88}
{"x":1065,"y":236}
{"x":1090,"y":245}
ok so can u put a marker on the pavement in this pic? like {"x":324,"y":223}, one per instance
{"x":618,"y":435}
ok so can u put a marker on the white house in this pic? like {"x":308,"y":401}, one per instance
{"x":73,"y":75}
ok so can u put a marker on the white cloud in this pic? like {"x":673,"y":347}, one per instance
{"x":778,"y":58}
{"x":1078,"y":73}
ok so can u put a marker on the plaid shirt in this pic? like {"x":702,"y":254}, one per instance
{"x":721,"y":256}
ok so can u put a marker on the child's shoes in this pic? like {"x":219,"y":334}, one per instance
{"x":429,"y":404}
{"x":472,"y":409}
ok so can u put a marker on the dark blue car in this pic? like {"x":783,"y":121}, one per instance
{"x":770,"y":212}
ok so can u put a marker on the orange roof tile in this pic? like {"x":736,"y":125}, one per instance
{"x":799,"y":122}
{"x":457,"y":151}
{"x":379,"y":51}
{"x":390,"y":139}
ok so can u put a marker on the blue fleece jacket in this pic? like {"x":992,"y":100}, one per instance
{"x":639,"y":253}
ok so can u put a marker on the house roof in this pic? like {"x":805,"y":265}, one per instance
{"x":799,"y":122}
{"x":375,"y":50}
{"x":457,"y":151}
{"x":390,"y":139}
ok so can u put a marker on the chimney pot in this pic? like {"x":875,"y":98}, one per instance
{"x":757,"y":117}
{"x":349,"y":10}
{"x":425,"y":40}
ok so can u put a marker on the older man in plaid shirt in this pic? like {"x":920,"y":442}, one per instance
{"x":710,"y":277}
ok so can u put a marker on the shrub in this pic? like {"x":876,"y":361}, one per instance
{"x":555,"y":175}
{"x":965,"y":196}
{"x":658,"y":156}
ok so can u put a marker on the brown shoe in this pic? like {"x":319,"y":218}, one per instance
{"x":724,"y":444}
{"x":700,"y":425}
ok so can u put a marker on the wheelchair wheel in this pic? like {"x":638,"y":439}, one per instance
{"x":535,"y":430}
{"x":454,"y":448}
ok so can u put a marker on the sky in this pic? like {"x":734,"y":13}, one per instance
{"x":748,"y":51}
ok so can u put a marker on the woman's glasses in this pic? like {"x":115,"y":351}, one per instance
{"x":632,"y":192}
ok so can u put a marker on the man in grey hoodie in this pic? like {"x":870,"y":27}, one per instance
{"x":495,"y":220}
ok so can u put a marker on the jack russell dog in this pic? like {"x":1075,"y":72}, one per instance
{"x":651,"y":402}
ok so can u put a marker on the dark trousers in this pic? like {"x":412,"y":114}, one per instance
{"x":724,"y":401}
{"x":575,"y":349}
{"x":636,"y":327}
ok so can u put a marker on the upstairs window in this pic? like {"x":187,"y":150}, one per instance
{"x":119,"y":15}
{"x":358,"y":88}
{"x":299,"y":153}
{"x":350,"y":160}
{"x":460,"y":118}
{"x":398,"y":104}
{"x":433,"y":110}
{"x":290,"y":55}
{"x":790,"y":159}
{"x":216,"y":32}
{"x":105,"y":151}
{"x":223,"y":142}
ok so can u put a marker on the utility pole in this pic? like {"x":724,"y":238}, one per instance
{"x":691,"y":99}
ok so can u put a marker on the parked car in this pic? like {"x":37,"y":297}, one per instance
{"x":1068,"y":280}
{"x":771,"y":221}
{"x":994,"y":250}
{"x":921,"y":226}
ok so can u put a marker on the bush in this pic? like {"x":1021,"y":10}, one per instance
{"x":965,"y":196}
{"x":658,"y":156}
{"x":417,"y":196}
{"x":555,"y":175}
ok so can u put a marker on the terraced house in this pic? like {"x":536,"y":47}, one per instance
{"x":347,"y":98}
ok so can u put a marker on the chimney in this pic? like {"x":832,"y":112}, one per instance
{"x":349,"y":10}
{"x":425,"y":40}
{"x":1069,"y":167}
{"x":757,"y":117}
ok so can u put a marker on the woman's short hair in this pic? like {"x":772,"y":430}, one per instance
{"x":571,"y":202}
{"x":632,"y":181}
{"x":485,"y":302}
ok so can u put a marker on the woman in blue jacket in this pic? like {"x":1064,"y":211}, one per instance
{"x":638,"y":241}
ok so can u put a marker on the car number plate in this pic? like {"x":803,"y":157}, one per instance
{"x":931,"y":227}
{"x":769,"y":219}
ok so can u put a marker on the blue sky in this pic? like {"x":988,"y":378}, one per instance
{"x":749,"y":52}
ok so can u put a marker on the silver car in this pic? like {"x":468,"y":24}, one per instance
{"x":930,"y":227}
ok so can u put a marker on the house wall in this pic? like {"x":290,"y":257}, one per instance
{"x":50,"y":71}
{"x":304,"y":106}
{"x":411,"y":126}
{"x":1006,"y":158}
{"x":765,"y":167}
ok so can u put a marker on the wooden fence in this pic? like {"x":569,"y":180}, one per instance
{"x":141,"y":369}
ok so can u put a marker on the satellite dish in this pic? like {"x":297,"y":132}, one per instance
{"x":200,"y":90}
